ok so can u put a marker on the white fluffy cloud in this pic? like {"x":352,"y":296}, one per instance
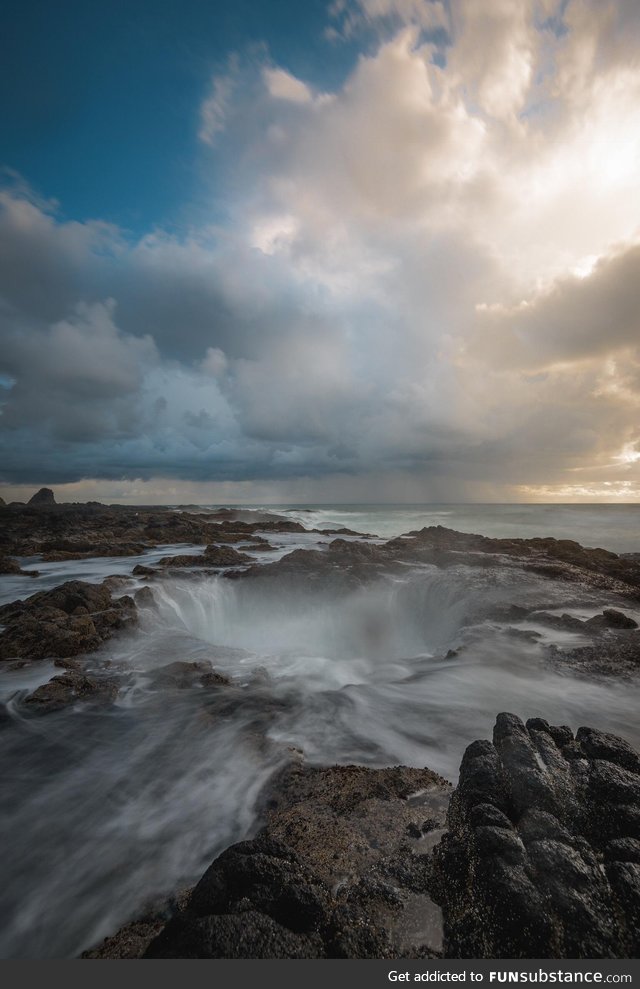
{"x":430,"y":275}
{"x":283,"y":86}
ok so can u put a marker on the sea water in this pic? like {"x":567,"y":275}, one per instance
{"x":105,"y":810}
{"x":612,"y":527}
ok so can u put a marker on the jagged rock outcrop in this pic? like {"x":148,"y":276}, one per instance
{"x":69,"y":687}
{"x":73,"y":531}
{"x":541,"y":860}
{"x":72,"y":619}
{"x":558,"y":559}
{"x":542,"y":856}
{"x":43,"y":497}
{"x":340,"y":870}
{"x":612,"y":618}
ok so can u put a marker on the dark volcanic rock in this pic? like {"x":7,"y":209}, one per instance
{"x":80,"y":530}
{"x":600,"y":745}
{"x":214,"y":556}
{"x":141,"y":571}
{"x":345,"y":532}
{"x":133,"y":940}
{"x":271,"y":877}
{"x":182,"y":674}
{"x":75,"y":531}
{"x":558,"y":559}
{"x":43,"y":497}
{"x":9,"y":566}
{"x":564,"y":623}
{"x":540,"y":860}
{"x":130,"y":942}
{"x":144,"y":598}
{"x":68,"y":688}
{"x":223,"y":536}
{"x":249,"y":516}
{"x":248,"y":934}
{"x":330,"y":875}
{"x":613,"y":655}
{"x":274,"y":525}
{"x":56,"y":551}
{"x":610,"y":618}
{"x":225,"y":556}
{"x":72,"y":619}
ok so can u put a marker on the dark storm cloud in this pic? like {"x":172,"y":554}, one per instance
{"x":429,"y":274}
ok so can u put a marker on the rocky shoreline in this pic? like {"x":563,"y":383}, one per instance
{"x":536,"y":853}
{"x":79,"y":531}
{"x":76,"y":617}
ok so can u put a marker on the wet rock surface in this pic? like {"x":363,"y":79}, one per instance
{"x":72,"y":619}
{"x":141,"y":571}
{"x":340,"y":869}
{"x":543,"y":852}
{"x":613,"y":649}
{"x":561,"y":559}
{"x":57,"y":551}
{"x":68,"y":688}
{"x":214,"y":556}
{"x":80,"y":531}
{"x":610,"y":640}
{"x":9,"y":566}
{"x":611,"y":618}
{"x":541,"y":859}
{"x":541,"y":856}
{"x":612,"y":656}
{"x":182,"y":675}
{"x":71,"y":531}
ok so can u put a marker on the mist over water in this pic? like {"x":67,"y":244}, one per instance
{"x":104,"y":810}
{"x":365,"y":676}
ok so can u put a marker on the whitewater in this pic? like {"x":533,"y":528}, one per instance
{"x":105,"y":811}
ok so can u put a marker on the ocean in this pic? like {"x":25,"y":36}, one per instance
{"x":612,"y":527}
{"x":105,"y":811}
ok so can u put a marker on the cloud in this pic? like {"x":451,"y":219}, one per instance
{"x":78,"y":379}
{"x":217,"y":105}
{"x":351,"y":17}
{"x":426,"y":278}
{"x":283,"y":86}
{"x":44,"y":263}
{"x":575,"y":319}
{"x":493,"y":54}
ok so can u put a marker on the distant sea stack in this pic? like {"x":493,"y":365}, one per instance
{"x":2,"y":503}
{"x":43,"y":497}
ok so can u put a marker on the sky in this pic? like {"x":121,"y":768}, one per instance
{"x":348,"y":251}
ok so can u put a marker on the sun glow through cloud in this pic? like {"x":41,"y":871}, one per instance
{"x":628,"y":455}
{"x":429,"y":269}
